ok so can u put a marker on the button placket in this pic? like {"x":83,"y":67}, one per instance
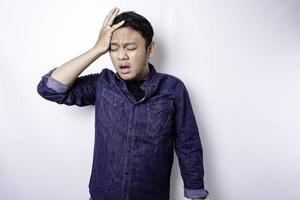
{"x":127,"y":159}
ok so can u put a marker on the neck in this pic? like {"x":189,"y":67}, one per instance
{"x":145,"y":74}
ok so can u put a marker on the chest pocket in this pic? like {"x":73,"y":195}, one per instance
{"x":111,"y":108}
{"x":159,"y":116}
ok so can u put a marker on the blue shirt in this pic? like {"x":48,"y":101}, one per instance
{"x":135,"y":140}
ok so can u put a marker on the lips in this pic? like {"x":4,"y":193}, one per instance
{"x":124,"y":68}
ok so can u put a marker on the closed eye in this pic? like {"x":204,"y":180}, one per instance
{"x":113,"y":49}
{"x":131,"y":49}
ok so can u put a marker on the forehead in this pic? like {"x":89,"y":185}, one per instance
{"x":126,"y":35}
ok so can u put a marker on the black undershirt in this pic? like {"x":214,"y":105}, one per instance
{"x":134,"y":88}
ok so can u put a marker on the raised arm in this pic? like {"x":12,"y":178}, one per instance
{"x":62,"y":84}
{"x":69,"y":71}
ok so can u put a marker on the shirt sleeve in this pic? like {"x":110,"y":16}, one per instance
{"x":81,"y":92}
{"x":188,"y":147}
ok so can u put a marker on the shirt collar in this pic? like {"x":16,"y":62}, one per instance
{"x":149,"y":86}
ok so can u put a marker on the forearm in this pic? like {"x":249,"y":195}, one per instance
{"x":70,"y":70}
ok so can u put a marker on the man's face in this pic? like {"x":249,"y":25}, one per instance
{"x":129,"y":55}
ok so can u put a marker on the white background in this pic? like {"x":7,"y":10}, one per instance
{"x":240,"y":61}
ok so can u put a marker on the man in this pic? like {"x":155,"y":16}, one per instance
{"x":140,"y":115}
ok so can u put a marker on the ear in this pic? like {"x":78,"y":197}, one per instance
{"x":151,"y":49}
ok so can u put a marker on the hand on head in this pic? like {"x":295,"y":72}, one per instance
{"x":106,"y":31}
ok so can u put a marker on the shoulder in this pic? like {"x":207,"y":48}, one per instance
{"x":171,"y":82}
{"x":103,"y":77}
{"x":106,"y":75}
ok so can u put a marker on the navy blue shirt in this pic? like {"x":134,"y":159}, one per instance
{"x":135,"y":139}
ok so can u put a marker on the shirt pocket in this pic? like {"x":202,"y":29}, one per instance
{"x":159,"y":116}
{"x":111,"y":108}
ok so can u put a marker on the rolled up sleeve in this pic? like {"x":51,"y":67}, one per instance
{"x":196,"y":193}
{"x":188,"y":147}
{"x":81,"y":92}
{"x":56,"y":85}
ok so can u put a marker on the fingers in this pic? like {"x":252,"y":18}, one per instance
{"x":118,"y":25}
{"x":115,"y":13}
{"x":110,"y":17}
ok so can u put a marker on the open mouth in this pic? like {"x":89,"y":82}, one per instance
{"x":124,"y":66}
{"x":125,"y":69}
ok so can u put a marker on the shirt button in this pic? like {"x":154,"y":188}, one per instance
{"x":128,"y":148}
{"x":130,"y":126}
{"x":126,"y":172}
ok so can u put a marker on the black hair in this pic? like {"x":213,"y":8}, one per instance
{"x":138,"y":23}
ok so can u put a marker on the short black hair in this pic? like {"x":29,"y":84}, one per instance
{"x":138,"y":23}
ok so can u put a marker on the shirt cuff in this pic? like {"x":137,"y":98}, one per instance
{"x":195,"y":193}
{"x":55,"y":84}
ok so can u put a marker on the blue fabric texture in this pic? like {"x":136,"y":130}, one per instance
{"x":135,"y":140}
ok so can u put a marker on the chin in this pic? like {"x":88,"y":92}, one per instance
{"x":127,"y":77}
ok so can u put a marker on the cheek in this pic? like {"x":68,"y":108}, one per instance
{"x":137,"y":57}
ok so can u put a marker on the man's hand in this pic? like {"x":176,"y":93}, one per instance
{"x":103,"y":42}
{"x":69,"y":71}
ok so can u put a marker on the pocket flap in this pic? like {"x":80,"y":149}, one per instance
{"x":159,"y":106}
{"x":112,"y":98}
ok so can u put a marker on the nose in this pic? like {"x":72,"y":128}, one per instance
{"x":122,"y":55}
